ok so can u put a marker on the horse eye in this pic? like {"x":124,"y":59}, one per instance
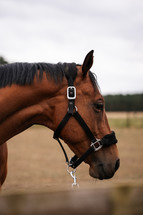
{"x":98,"y":106}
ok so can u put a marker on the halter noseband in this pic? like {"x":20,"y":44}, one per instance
{"x":96,"y":144}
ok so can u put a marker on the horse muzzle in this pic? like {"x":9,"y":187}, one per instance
{"x":102,"y":171}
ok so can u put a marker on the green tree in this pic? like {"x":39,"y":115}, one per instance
{"x":121,"y":102}
{"x":2,"y":60}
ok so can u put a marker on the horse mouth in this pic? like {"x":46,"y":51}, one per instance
{"x":100,"y":175}
{"x":103,"y":172}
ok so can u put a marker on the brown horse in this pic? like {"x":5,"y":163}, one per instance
{"x":37,"y":94}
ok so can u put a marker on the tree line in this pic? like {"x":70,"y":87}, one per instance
{"x":121,"y":102}
{"x":2,"y":60}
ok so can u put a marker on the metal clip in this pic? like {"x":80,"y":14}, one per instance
{"x":72,"y":174}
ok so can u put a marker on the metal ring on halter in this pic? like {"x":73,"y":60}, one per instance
{"x":76,"y":109}
{"x":73,"y":170}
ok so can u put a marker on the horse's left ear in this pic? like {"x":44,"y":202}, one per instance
{"x":87,"y":64}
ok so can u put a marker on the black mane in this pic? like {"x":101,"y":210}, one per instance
{"x":24,"y":73}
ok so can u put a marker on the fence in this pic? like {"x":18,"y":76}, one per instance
{"x":123,"y":200}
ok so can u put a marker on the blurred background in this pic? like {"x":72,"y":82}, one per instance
{"x":65,"y":31}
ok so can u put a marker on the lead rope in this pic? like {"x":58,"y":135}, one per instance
{"x":72,"y":172}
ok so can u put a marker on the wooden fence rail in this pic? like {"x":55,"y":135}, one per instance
{"x":123,"y":200}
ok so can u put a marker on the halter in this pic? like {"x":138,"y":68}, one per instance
{"x":96,"y":144}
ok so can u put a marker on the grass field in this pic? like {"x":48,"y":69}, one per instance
{"x":36,"y":162}
{"x":126,"y":119}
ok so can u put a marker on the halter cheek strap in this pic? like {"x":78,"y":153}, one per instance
{"x":96,"y":144}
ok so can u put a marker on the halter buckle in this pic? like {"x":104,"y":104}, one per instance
{"x":96,"y":145}
{"x":71,"y":93}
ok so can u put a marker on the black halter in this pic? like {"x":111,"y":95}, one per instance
{"x":96,"y":144}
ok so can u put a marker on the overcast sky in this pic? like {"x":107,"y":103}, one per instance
{"x":66,"y":30}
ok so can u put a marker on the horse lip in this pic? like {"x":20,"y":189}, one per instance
{"x":100,"y":174}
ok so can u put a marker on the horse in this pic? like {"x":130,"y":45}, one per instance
{"x":64,"y":97}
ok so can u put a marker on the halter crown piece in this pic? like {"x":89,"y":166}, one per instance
{"x":96,"y":144}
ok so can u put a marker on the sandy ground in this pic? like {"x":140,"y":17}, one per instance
{"x":36,"y":163}
{"x":123,"y":115}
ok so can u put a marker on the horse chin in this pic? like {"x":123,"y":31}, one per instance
{"x":98,"y":174}
{"x":94,"y":173}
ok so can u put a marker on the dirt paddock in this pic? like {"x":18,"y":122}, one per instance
{"x":37,"y":178}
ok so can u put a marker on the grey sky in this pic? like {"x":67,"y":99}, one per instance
{"x":65,"y":30}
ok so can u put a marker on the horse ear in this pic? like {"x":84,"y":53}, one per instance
{"x":87,"y":64}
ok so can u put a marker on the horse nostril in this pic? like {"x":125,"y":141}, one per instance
{"x":117,"y":165}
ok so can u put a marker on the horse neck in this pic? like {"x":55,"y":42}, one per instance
{"x":23,"y":106}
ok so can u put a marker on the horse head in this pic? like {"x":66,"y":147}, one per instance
{"x":90,"y":106}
